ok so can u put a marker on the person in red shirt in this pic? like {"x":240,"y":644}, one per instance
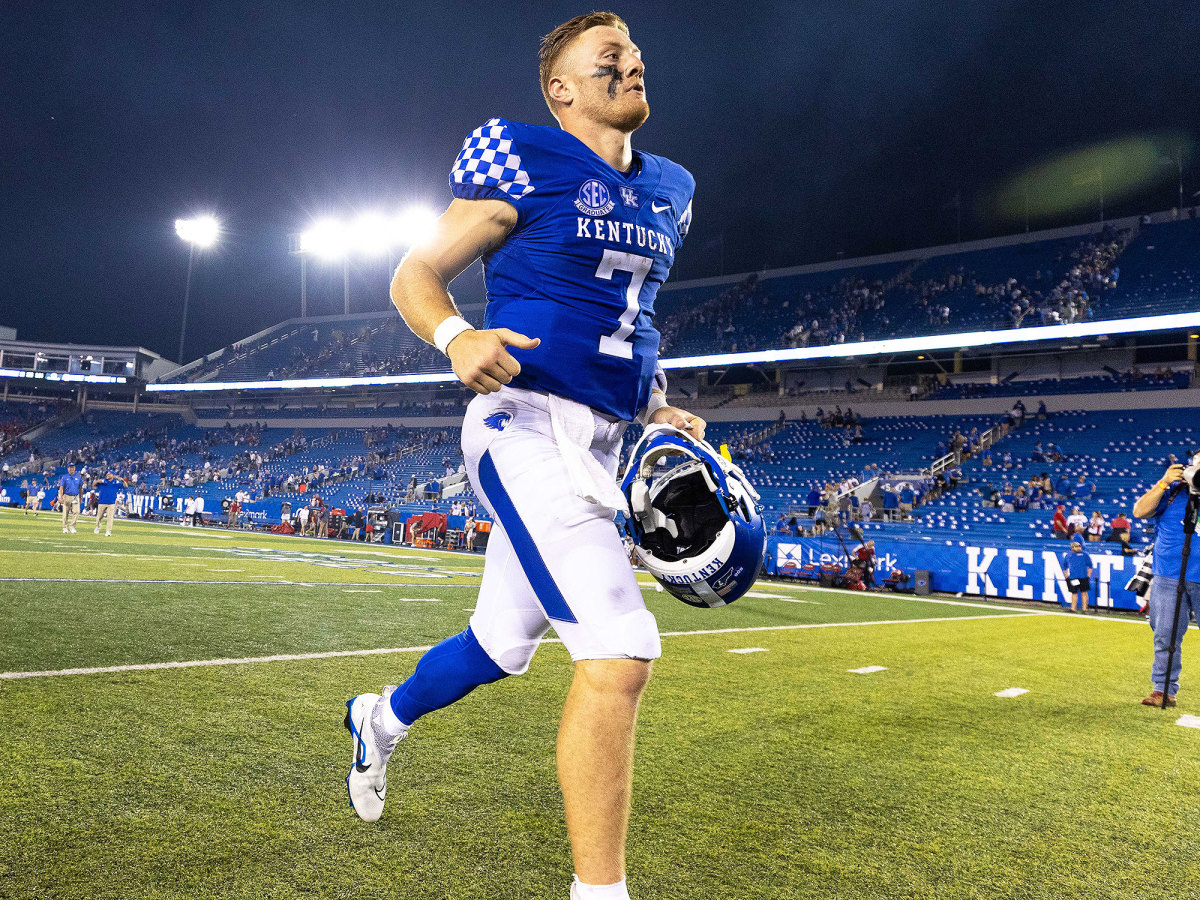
{"x":1120,"y":523}
{"x":1060,"y":522}
{"x":864,"y":557}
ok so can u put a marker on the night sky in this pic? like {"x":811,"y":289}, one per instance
{"x":813,"y":129}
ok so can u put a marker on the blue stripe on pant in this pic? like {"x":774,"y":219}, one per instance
{"x":539,"y":576}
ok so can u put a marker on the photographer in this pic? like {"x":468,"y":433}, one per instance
{"x":1166,"y":503}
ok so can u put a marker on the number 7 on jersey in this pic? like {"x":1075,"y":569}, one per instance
{"x":638,"y":267}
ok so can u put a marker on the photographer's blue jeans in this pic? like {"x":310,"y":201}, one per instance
{"x":1162,"y":604}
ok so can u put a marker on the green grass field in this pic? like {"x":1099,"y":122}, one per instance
{"x":775,"y":774}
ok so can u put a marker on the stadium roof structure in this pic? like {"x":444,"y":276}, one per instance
{"x":79,"y":363}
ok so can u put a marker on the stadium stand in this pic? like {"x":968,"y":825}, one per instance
{"x":391,"y":466}
{"x":1134,"y":380}
{"x":1114,"y":272}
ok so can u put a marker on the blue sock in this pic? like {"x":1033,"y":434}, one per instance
{"x":448,"y":672}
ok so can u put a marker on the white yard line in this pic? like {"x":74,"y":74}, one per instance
{"x":281,"y":581}
{"x":292,"y":657}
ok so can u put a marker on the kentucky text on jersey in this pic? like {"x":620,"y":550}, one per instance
{"x":624,"y":233}
{"x":584,"y":262}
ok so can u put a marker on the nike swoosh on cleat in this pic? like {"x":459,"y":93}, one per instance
{"x":657,"y":208}
{"x":362,"y":750}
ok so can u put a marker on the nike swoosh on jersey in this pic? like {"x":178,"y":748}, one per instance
{"x":657,"y":208}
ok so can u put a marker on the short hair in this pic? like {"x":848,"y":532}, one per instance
{"x":557,"y":41}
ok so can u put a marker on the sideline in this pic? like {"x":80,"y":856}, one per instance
{"x":331,"y":654}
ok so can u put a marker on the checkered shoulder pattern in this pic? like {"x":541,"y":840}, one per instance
{"x":487,"y":159}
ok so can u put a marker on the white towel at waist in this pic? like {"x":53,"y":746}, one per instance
{"x":574,"y":426}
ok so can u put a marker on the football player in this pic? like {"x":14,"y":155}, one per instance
{"x":577,"y":231}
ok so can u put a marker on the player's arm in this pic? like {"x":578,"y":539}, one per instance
{"x":1147,"y":504}
{"x":466,"y":231}
{"x":658,"y":412}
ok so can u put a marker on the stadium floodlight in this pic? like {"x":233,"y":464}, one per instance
{"x":370,"y":234}
{"x":327,"y":239}
{"x":414,"y":226}
{"x":202,"y":232}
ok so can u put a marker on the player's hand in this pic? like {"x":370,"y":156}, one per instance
{"x":681,"y":419}
{"x":482,"y":362}
{"x":1173,"y":474}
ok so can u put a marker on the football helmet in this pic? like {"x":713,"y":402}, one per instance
{"x":695,"y":524}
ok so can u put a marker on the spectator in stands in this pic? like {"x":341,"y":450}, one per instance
{"x":1062,"y":487}
{"x":890,"y":503}
{"x":1059,"y":523}
{"x":1021,"y":499}
{"x":1037,"y":455}
{"x":907,"y":499}
{"x":1166,"y":503}
{"x":1084,"y":488}
{"x":1095,"y":527}
{"x":781,"y":525}
{"x":866,"y":510}
{"x":1034,"y":499}
{"x":1120,"y":523}
{"x":1127,"y":549}
{"x":813,"y":500}
{"x":1077,"y":567}
{"x":819,"y":520}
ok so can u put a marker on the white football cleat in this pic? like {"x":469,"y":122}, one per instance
{"x":366,"y":782}
{"x":96,"y":531}
{"x":72,"y":531}
{"x":64,"y":531}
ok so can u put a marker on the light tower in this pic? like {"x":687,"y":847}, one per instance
{"x":202,"y":232}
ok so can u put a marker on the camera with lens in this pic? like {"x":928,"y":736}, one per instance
{"x":1191,"y":474}
{"x":1140,"y":582}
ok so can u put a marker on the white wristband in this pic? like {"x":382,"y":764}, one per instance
{"x":451,"y":327}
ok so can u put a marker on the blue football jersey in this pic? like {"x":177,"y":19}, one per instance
{"x":581,"y":268}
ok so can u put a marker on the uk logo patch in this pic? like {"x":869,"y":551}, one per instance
{"x":594,"y":198}
{"x":629,"y":196}
{"x":498,"y":421}
{"x":724,"y":582}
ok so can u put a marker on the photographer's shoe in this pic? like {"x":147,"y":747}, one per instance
{"x":1156,"y":700}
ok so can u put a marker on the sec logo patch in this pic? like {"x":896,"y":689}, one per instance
{"x":594,"y":198}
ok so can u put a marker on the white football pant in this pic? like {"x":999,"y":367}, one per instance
{"x":553,"y":558}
